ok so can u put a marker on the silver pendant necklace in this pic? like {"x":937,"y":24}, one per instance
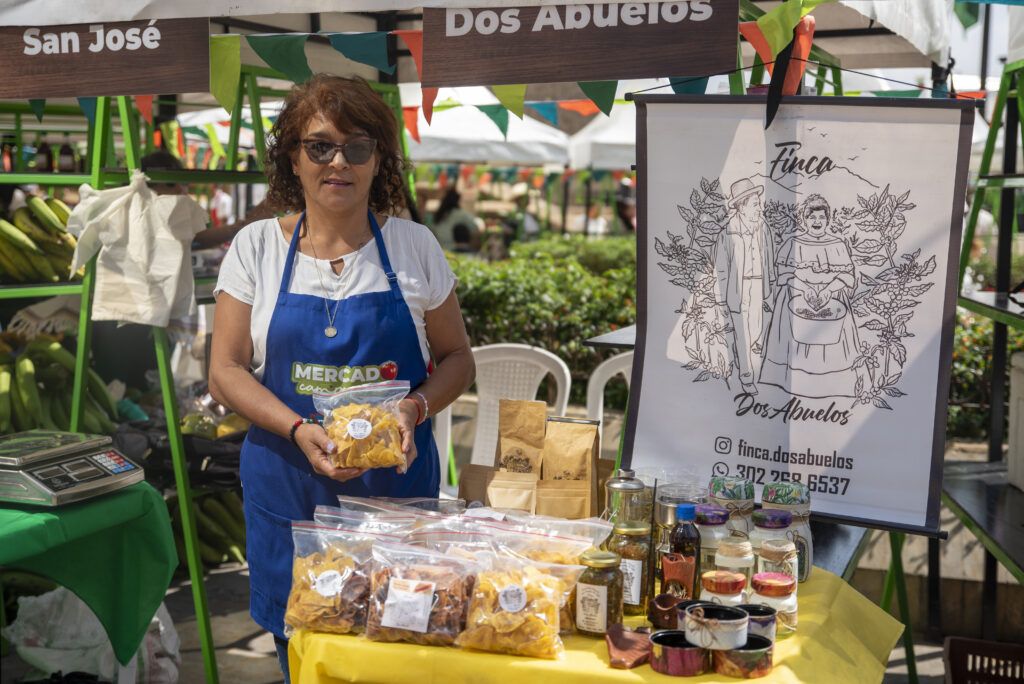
{"x":330,"y":330}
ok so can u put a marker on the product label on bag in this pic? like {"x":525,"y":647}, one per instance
{"x":512,"y":598}
{"x":408,"y":605}
{"x":328,"y":584}
{"x":632,"y":574}
{"x":591,"y":607}
{"x":358,"y":428}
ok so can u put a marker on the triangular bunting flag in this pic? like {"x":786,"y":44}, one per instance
{"x":88,"y":105}
{"x":286,"y":53}
{"x":38,"y":108}
{"x":689,"y":86}
{"x":225,"y":68}
{"x":601,"y":92}
{"x":498,"y":114}
{"x":215,"y":145}
{"x":581,"y":107}
{"x":512,"y":96}
{"x":897,"y":93}
{"x":778,"y":24}
{"x":413,"y":40}
{"x":803,"y":35}
{"x":144,"y":103}
{"x":548,"y":110}
{"x":365,"y":48}
{"x":411,"y":116}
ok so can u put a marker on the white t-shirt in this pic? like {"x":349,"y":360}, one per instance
{"x":252,"y":269}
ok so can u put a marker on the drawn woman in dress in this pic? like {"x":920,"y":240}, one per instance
{"x":812,"y":340}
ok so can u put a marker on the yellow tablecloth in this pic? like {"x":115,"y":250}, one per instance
{"x":842,"y":637}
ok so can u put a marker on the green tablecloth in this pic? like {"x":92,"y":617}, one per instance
{"x":115,"y":552}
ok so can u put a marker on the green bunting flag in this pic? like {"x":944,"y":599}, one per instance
{"x":777,"y":25}
{"x":512,"y":96}
{"x":225,"y":68}
{"x":548,"y":110}
{"x":38,"y":107}
{"x":285,"y":52}
{"x":897,"y":93}
{"x":601,"y":93}
{"x":365,"y":48}
{"x":967,"y":13}
{"x":689,"y":86}
{"x":498,"y":114}
{"x":215,"y":144}
{"x":88,"y":105}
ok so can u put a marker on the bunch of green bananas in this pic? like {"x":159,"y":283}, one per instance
{"x":36,"y":388}
{"x":220,"y":524}
{"x":35,"y":245}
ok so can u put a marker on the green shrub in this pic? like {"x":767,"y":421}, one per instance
{"x":597,"y":256}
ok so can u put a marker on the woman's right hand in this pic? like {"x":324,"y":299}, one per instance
{"x":318,"y":447}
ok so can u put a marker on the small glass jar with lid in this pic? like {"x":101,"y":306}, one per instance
{"x":632,"y":541}
{"x":736,"y":555}
{"x":736,"y":495}
{"x":794,"y":497}
{"x":711,"y":523}
{"x":778,"y":591}
{"x":627,"y":498}
{"x":778,"y":555}
{"x":769,"y":523}
{"x":599,"y":593}
{"x":724,"y":587}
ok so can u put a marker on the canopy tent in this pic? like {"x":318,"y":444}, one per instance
{"x":466,"y":134}
{"x":607,"y":142}
{"x":221,"y":120}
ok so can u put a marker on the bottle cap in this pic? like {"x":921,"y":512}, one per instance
{"x":600,"y":559}
{"x":723,"y":581}
{"x":685,"y":511}
{"x":708,"y":514}
{"x":632,"y":528}
{"x":772,"y":518}
{"x":773,"y":584}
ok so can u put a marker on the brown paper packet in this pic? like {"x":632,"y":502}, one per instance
{"x":571,"y":451}
{"x":512,"y":490}
{"x":521,"y":426}
{"x":473,"y":481}
{"x":568,"y":499}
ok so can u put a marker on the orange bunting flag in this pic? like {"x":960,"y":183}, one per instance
{"x":413,"y":40}
{"x":412,"y":121}
{"x":803,"y":37}
{"x":466,"y":171}
{"x":581,"y":107}
{"x":144,"y":103}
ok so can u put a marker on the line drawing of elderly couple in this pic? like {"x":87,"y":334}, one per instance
{"x":792,"y":323}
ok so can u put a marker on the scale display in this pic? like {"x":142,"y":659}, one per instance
{"x":51,"y":468}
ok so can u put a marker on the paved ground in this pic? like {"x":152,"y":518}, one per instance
{"x":245,"y":654}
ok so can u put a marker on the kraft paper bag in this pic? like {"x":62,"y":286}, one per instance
{"x":473,"y":481}
{"x":512,"y":490}
{"x":568,"y":499}
{"x":571,"y":451}
{"x":521,"y":426}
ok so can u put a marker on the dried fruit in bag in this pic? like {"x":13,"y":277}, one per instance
{"x":515,"y":608}
{"x":330,"y":579}
{"x":362,"y":421}
{"x":417,"y":595}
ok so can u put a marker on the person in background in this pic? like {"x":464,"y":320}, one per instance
{"x":463,"y":237}
{"x":596,"y":224}
{"x":625,"y":205}
{"x":449,"y":216}
{"x":222,"y":207}
{"x":162,"y":160}
{"x":527,"y":228}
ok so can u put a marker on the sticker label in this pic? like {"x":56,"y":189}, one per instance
{"x":328,"y":584}
{"x":408,"y":605}
{"x":359,"y":428}
{"x":632,"y":571}
{"x":592,"y":608}
{"x":512,"y":598}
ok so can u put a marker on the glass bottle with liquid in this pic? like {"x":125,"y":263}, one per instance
{"x":681,"y":566}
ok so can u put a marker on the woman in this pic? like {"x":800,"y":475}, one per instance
{"x":449,"y":216}
{"x":338,"y":289}
{"x":816,"y":277}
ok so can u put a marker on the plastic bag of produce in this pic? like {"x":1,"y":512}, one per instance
{"x":362,"y":421}
{"x":515,"y":607}
{"x":330,"y":578}
{"x":386,"y":523}
{"x":417,"y":595}
{"x":427,"y":504}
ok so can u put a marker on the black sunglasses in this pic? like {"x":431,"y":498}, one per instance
{"x":356,"y":151}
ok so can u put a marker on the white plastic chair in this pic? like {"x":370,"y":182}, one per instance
{"x":511,"y":371}
{"x":608,"y":369}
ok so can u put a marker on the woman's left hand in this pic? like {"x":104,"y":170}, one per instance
{"x":408,"y":414}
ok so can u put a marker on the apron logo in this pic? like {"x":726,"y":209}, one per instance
{"x":310,"y":378}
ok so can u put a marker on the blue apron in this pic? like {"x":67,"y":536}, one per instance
{"x":376,"y":340}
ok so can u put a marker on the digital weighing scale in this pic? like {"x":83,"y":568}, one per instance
{"x":50,"y":468}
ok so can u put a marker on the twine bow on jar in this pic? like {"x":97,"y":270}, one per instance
{"x":710,"y":632}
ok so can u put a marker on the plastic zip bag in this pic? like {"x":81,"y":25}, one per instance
{"x":330,"y":578}
{"x":417,"y":595}
{"x":362,"y":421}
{"x":427,"y":504}
{"x":397,"y":523}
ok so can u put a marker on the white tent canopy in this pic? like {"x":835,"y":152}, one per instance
{"x":607,"y":142}
{"x":466,"y":134}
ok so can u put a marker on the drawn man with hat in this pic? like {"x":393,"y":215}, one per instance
{"x":745,"y":268}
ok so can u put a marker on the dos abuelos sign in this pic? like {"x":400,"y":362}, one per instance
{"x":124,"y":58}
{"x":578,"y":42}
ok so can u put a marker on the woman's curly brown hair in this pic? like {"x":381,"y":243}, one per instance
{"x":350,"y":104}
